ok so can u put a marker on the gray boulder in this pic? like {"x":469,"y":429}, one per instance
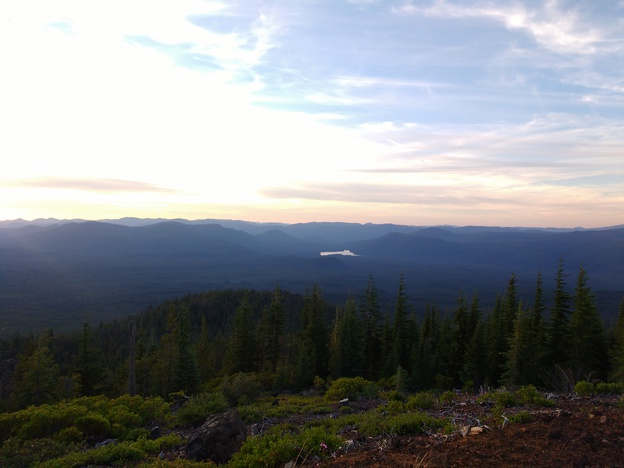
{"x":220,"y":437}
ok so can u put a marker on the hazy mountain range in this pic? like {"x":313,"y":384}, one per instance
{"x":61,"y":272}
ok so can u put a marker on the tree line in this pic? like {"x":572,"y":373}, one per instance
{"x":292,"y":341}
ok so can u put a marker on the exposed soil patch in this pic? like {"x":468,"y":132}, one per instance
{"x":575,"y":433}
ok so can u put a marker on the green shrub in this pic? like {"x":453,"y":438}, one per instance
{"x":443,"y":382}
{"x":350,"y":387}
{"x":94,"y":425}
{"x":521,"y":417}
{"x":614,"y":388}
{"x":118,"y":454}
{"x":504,"y":399}
{"x":422,"y":400}
{"x":531,"y":396}
{"x":70,"y":434}
{"x":447,"y":397}
{"x":241,"y":388}
{"x":282,"y":444}
{"x":392,"y":407}
{"x":10,"y":423}
{"x":372,"y":424}
{"x":393,"y":395}
{"x":200,"y":406}
{"x":17,"y":453}
{"x":584,"y":388}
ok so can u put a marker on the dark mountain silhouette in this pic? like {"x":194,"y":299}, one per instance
{"x":61,"y":273}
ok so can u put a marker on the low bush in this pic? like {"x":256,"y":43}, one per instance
{"x":447,"y":397}
{"x":200,"y":406}
{"x":584,"y":388}
{"x":531,"y":396}
{"x":241,"y":389}
{"x":422,"y":400}
{"x":613,"y":388}
{"x":374,"y":424}
{"x":392,"y":407}
{"x":350,"y":387}
{"x":521,"y":417}
{"x":282,"y":444}
{"x":18,"y":453}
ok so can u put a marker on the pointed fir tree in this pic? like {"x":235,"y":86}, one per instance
{"x":510,"y":307}
{"x":204,"y":352}
{"x":519,"y":355}
{"x":272,"y":332}
{"x":462,"y":334}
{"x":537,"y":335}
{"x":474,"y":371}
{"x":35,"y":376}
{"x":132,"y":377}
{"x":558,"y":333}
{"x":496,"y":343}
{"x":240,"y":354}
{"x":186,"y":369}
{"x":373,"y":332}
{"x":423,"y":361}
{"x":350,"y":343}
{"x":313,"y":340}
{"x":92,"y":375}
{"x":400,"y":327}
{"x":587,"y":341}
{"x":617,"y":351}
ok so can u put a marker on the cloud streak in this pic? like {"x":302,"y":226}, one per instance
{"x":89,"y":185}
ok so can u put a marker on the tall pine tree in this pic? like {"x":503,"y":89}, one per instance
{"x":373,"y":332}
{"x":587,"y":341}
{"x":558,"y":350}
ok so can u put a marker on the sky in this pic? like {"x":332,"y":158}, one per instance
{"x":421,"y":112}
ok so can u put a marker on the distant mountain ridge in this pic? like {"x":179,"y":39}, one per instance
{"x":56,"y":272}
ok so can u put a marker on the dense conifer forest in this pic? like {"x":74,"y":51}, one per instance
{"x":290,"y":341}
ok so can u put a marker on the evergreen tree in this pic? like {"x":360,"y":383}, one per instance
{"x":510,"y":307}
{"x":474,"y":370}
{"x":558,"y":344}
{"x":423,"y":360}
{"x":443,"y":357}
{"x":132,"y":377}
{"x":164,"y":357}
{"x":185,"y":369}
{"x":204,"y":351}
{"x":349,"y":351}
{"x":462,"y":334}
{"x":373,"y":332}
{"x":35,"y":376}
{"x":313,"y":342}
{"x":617,"y":354}
{"x":400,"y":328}
{"x":537,"y":335}
{"x":519,"y":355}
{"x":92,"y":375}
{"x":587,"y":341}
{"x":474,"y":355}
{"x":496,"y":343}
{"x":273,"y":332}
{"x":240,"y":354}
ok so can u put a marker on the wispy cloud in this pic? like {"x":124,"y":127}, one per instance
{"x":88,"y":185}
{"x":552,"y":24}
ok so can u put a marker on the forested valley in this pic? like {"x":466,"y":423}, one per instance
{"x":289,"y":340}
{"x":231,"y":346}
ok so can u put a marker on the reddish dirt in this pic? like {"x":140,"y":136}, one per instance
{"x":577,"y":432}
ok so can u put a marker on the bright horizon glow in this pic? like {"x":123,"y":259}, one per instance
{"x":433,"y":112}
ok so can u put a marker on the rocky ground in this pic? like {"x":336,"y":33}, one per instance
{"x":576,"y":432}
